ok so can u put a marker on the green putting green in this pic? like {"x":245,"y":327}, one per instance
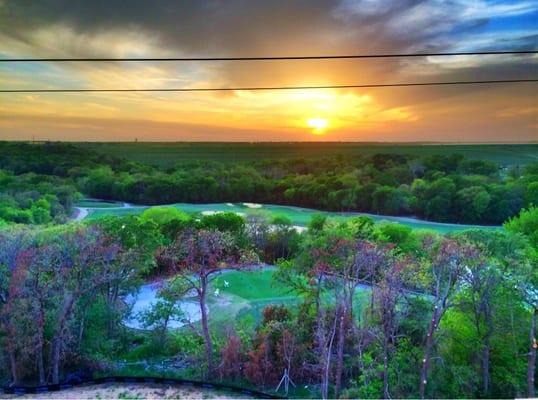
{"x":255,"y":284}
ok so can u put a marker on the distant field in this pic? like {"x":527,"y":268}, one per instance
{"x":169,"y":154}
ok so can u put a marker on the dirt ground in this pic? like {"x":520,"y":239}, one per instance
{"x":133,"y":391}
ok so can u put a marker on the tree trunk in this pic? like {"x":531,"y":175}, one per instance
{"x":81,"y":331}
{"x":205,"y":329}
{"x":427,"y":354}
{"x":320,"y":337}
{"x":14,"y":368}
{"x":386,"y":393}
{"x":58,"y":338}
{"x":531,"y":364}
{"x":340,"y":352}
{"x":327,"y":363}
{"x":55,"y":361}
{"x":40,"y":363}
{"x":41,"y":343}
{"x":485,"y":366}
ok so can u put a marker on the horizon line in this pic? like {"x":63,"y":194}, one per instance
{"x":450,"y":143}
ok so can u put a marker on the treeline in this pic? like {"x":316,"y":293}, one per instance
{"x":30,"y":198}
{"x":381,"y":310}
{"x":439,"y":188}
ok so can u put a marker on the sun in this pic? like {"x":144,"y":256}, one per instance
{"x":318,"y":125}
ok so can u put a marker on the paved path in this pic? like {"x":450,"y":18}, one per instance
{"x":82,"y":212}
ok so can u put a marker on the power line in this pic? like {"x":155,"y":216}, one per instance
{"x":276,"y":58}
{"x":252,"y":88}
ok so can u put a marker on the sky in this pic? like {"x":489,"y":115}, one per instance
{"x":236,"y":28}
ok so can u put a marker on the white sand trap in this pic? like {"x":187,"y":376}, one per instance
{"x":133,"y":391}
{"x":252,"y":205}
{"x":229,"y":204}
{"x":210,"y":212}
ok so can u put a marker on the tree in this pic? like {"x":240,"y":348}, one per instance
{"x":390,"y":201}
{"x":481,"y":277}
{"x":139,"y":239}
{"x":527,"y":282}
{"x":13,"y":243}
{"x":472,"y":203}
{"x":225,"y":221}
{"x":232,"y":359}
{"x":81,"y":261}
{"x":449,"y":259}
{"x":358,"y":261}
{"x":48,"y":277}
{"x":259,"y":368}
{"x":388,"y":294}
{"x":164,"y":215}
{"x":198,"y":256}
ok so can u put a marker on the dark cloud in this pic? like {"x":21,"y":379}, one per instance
{"x":253,"y":27}
{"x":284,"y":27}
{"x":247,"y":27}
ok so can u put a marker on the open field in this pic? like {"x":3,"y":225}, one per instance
{"x":169,"y":154}
{"x":91,"y":203}
{"x":299,"y":216}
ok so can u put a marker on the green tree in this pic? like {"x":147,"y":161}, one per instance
{"x":472,"y":203}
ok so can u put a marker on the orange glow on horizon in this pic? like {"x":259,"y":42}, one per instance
{"x":318,"y":125}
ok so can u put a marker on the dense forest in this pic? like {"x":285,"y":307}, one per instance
{"x":381,"y":310}
{"x":370,"y":310}
{"x":445,"y":188}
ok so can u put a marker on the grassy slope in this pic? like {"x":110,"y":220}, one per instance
{"x":98,"y":203}
{"x":168,"y":154}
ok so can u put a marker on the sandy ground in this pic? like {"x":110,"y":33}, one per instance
{"x":132,"y":391}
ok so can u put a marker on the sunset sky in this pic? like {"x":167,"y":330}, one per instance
{"x":55,"y":28}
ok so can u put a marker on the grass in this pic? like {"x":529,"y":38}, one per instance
{"x":92,"y":203}
{"x":245,"y":297}
{"x":249,"y":292}
{"x":117,"y":212}
{"x":168,"y":154}
{"x":251,"y":285}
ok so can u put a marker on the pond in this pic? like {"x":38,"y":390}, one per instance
{"x":147,"y":297}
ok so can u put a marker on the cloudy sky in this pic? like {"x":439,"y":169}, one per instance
{"x":167,"y":28}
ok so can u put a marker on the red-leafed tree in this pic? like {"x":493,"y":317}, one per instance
{"x":13,"y":271}
{"x":45,"y":283}
{"x":232,"y":359}
{"x":198,"y":256}
{"x":259,"y":368}
{"x":81,"y":262}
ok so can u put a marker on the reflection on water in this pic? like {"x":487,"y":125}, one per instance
{"x":147,"y":297}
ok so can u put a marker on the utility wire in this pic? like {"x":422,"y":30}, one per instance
{"x":322,"y":57}
{"x":222,"y":89}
